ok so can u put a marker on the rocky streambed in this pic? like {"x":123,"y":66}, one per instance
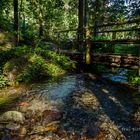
{"x":74,"y":107}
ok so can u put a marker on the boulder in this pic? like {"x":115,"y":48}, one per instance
{"x":13,"y":116}
{"x":13,"y":126}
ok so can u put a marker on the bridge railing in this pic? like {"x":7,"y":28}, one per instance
{"x":102,"y":29}
{"x":93,"y":30}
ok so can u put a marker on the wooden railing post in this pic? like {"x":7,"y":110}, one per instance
{"x":88,"y":56}
{"x":113,"y":44}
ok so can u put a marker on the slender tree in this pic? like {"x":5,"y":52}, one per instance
{"x":81,"y":22}
{"x":40,"y":17}
{"x":16,"y":22}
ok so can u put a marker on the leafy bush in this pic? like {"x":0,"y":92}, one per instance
{"x":3,"y":82}
{"x":34,"y":69}
{"x":132,"y":76}
{"x":59,"y":59}
{"x":126,"y":49}
{"x":26,"y":64}
{"x":37,"y":68}
{"x":135,"y":80}
{"x":101,"y":38}
{"x":6,"y":55}
{"x":8,"y":66}
{"x":22,"y":50}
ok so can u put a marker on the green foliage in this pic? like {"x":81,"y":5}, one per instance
{"x":133,"y":78}
{"x":8,"y":66}
{"x":126,"y":49}
{"x":52,"y":56}
{"x":3,"y":82}
{"x":38,"y":68}
{"x":54,"y":69}
{"x":34,"y":70}
{"x":22,"y":50}
{"x":101,"y":38}
{"x":27,"y":63}
{"x":6,"y":55}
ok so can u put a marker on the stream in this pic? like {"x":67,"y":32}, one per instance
{"x":72,"y":107}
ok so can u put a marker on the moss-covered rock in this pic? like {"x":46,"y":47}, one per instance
{"x":13,"y":116}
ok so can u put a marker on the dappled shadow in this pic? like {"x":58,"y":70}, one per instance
{"x":116,"y":101}
{"x":101,"y":106}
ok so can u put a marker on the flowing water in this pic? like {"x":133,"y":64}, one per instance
{"x":75,"y":107}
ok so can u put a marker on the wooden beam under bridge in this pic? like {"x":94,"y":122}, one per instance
{"x":113,"y":60}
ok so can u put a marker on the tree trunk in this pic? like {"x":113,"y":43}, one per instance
{"x":40,"y":19}
{"x":85,"y":12}
{"x":16,"y":20}
{"x":22,"y":16}
{"x":96,"y":19}
{"x":81,"y":23}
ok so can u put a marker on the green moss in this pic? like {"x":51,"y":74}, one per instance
{"x":4,"y":101}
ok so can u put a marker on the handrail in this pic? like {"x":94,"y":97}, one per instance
{"x":120,"y":41}
{"x":118,"y":30}
{"x":118,"y":23}
{"x":105,"y":25}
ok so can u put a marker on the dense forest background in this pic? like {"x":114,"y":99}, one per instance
{"x":28,"y":26}
{"x":36,"y":18}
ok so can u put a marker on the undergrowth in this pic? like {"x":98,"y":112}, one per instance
{"x":24,"y":64}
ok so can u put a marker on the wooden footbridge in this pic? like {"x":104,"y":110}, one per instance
{"x":112,"y":59}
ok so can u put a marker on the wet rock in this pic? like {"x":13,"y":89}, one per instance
{"x":111,"y":131}
{"x":51,"y":127}
{"x":92,"y":132}
{"x":14,"y":116}
{"x":38,"y":130}
{"x":136,"y":118}
{"x":37,"y":106}
{"x":22,"y":132}
{"x":35,"y":137}
{"x":100,"y":136}
{"x":13,"y":126}
{"x":66,"y":125}
{"x":5,"y":138}
{"x":51,"y":137}
{"x":73,"y":135}
{"x":24,"y":104}
{"x":51,"y":115}
{"x":88,"y":98}
{"x":2,"y":126}
{"x":62,"y":133}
